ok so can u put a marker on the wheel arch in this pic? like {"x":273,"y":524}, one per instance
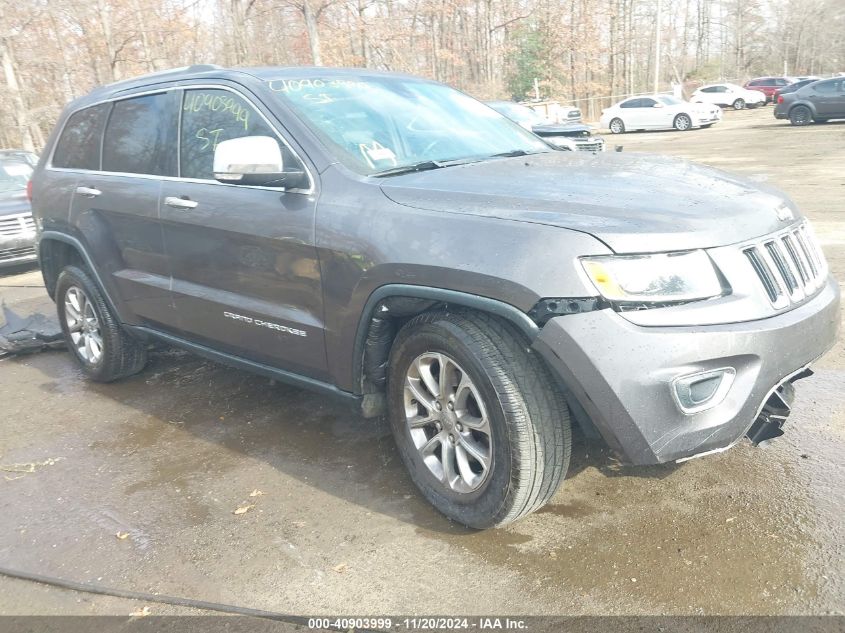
{"x":389,"y":306}
{"x":806,"y":104}
{"x":57,"y":250}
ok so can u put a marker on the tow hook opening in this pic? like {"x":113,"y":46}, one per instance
{"x":778,"y":406}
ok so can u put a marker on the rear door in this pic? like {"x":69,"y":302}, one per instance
{"x":115,"y":207}
{"x":649,"y":116}
{"x":710,"y":95}
{"x":246,"y":278}
{"x":828,"y":98}
{"x":629,"y":113}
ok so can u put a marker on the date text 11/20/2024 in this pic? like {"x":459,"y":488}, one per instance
{"x":420,"y":624}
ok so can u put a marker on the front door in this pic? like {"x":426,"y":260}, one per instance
{"x":246,"y":278}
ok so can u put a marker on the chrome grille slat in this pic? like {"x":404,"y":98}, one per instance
{"x":10,"y":254}
{"x":789,"y":265}
{"x":17,"y":224}
{"x":781,"y":266}
{"x":770,"y":284}
{"x":808,"y":252}
{"x":800,"y":264}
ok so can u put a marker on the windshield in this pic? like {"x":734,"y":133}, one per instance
{"x":375,"y":124}
{"x":14,"y":175}
{"x":669,"y":100}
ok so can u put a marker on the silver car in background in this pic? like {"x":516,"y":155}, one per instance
{"x":17,"y":228}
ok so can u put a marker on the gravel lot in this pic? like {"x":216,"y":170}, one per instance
{"x":165,"y":458}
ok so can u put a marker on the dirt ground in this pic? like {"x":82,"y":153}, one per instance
{"x":165,"y":458}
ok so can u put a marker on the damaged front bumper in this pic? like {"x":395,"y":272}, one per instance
{"x":624,"y":376}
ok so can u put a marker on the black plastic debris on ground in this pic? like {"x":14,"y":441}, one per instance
{"x":28,"y":334}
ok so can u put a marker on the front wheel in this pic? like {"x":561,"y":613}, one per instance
{"x":739,"y":104}
{"x":478,"y":419}
{"x":682,"y":123}
{"x":617,"y":126}
{"x":800,"y":115}
{"x":92,"y":333}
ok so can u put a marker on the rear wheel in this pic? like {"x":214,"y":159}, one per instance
{"x":92,"y":333}
{"x":682,"y":123}
{"x":617,"y":126}
{"x":479,"y":422}
{"x":800,"y":115}
{"x":739,"y":104}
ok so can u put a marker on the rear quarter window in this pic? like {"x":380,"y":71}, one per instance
{"x":79,"y":145}
{"x":141,"y":136}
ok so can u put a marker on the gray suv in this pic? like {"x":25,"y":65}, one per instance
{"x":396,"y":244}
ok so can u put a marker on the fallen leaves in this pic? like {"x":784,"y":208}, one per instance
{"x":244,"y":508}
{"x":256,"y":493}
{"x":340,"y":568}
{"x":122,"y":535}
{"x":141,"y":613}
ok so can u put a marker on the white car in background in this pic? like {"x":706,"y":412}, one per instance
{"x":729,"y":95}
{"x":658,"y":112}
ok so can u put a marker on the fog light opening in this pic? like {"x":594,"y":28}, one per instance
{"x":703,"y":390}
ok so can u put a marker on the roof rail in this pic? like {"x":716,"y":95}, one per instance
{"x":201,"y":67}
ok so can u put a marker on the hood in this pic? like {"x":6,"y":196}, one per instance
{"x":632,"y":202}
{"x":12,"y":202}
{"x":561,"y":129}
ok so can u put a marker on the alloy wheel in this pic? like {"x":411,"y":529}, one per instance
{"x":448,"y":422}
{"x":683,"y":123}
{"x":83,"y":326}
{"x":799,"y":116}
{"x":739,"y":104}
{"x":616,"y":126}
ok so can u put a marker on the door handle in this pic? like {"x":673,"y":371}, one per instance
{"x":180,"y":203}
{"x":88,"y":192}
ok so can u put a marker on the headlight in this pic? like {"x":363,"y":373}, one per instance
{"x":660,"y":278}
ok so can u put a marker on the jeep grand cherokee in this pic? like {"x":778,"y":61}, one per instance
{"x":395,"y":243}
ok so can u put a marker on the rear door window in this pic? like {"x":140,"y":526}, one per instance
{"x":141,"y":136}
{"x":631,"y":103}
{"x":826,"y":87}
{"x":211,"y":116}
{"x":79,"y":145}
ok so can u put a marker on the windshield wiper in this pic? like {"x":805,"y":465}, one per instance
{"x":407,"y":169}
{"x":512,"y":153}
{"x":425,"y":165}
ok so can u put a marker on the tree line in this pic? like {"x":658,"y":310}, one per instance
{"x":577,"y":51}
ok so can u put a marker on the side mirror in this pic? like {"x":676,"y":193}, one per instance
{"x":256,"y":161}
{"x":657,"y":105}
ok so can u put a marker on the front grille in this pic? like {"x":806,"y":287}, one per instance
{"x":790,"y":265}
{"x":588,"y":145}
{"x":18,"y":224}
{"x":12,"y":254}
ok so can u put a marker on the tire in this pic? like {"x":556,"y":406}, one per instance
{"x":739,"y":104}
{"x":800,"y":115}
{"x":89,"y":325}
{"x":514,"y":417}
{"x":682,"y":123}
{"x":617,"y":126}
